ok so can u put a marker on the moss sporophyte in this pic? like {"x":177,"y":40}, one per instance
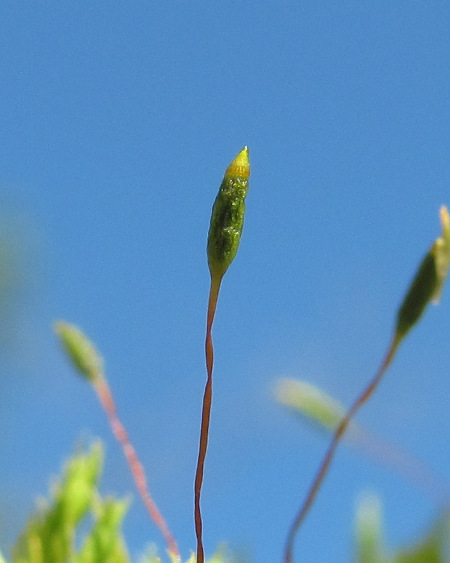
{"x":85,"y":358}
{"x":227,"y":221}
{"x":426,"y":287}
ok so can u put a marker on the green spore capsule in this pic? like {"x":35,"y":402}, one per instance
{"x":428,"y":282}
{"x":80,"y":350}
{"x":227,"y":218}
{"x":311,"y":402}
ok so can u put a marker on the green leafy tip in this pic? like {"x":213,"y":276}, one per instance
{"x":311,"y":402}
{"x":51,"y":532}
{"x":428,"y":282}
{"x":80,"y":350}
{"x":369,"y":534}
{"x":227,"y":218}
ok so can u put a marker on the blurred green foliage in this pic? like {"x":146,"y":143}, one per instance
{"x":53,"y":532}
{"x":50,"y":536}
{"x":370,"y":544}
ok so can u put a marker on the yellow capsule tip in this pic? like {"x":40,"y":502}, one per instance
{"x":445,"y":218}
{"x":240,"y":165}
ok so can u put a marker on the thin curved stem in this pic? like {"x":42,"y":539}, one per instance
{"x":106,"y":399}
{"x":206,"y":415}
{"x":403,"y":462}
{"x":329,"y":455}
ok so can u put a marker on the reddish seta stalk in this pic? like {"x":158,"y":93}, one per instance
{"x":330,"y":453}
{"x":206,"y":415}
{"x":106,"y":399}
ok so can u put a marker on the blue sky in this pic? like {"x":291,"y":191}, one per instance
{"x":117,"y":123}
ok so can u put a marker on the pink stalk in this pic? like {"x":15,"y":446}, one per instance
{"x":106,"y":399}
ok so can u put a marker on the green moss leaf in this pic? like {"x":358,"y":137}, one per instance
{"x":434,"y":548}
{"x":49,"y":536}
{"x":369,"y":538}
{"x":105,"y":542}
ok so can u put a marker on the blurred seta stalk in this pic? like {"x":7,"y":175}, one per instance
{"x":227,"y":221}
{"x":86,"y":359}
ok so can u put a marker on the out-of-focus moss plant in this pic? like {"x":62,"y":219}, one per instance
{"x":51,"y":534}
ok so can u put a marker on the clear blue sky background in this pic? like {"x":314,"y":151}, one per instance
{"x":117,"y":121}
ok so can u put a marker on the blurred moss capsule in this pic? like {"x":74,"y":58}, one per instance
{"x":80,"y":350}
{"x":227,"y":217}
{"x":311,"y":402}
{"x":441,"y":250}
{"x":428,"y":282}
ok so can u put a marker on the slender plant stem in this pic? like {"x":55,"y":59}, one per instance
{"x":329,"y":455}
{"x":408,"y":466}
{"x":206,"y":414}
{"x":106,"y":399}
